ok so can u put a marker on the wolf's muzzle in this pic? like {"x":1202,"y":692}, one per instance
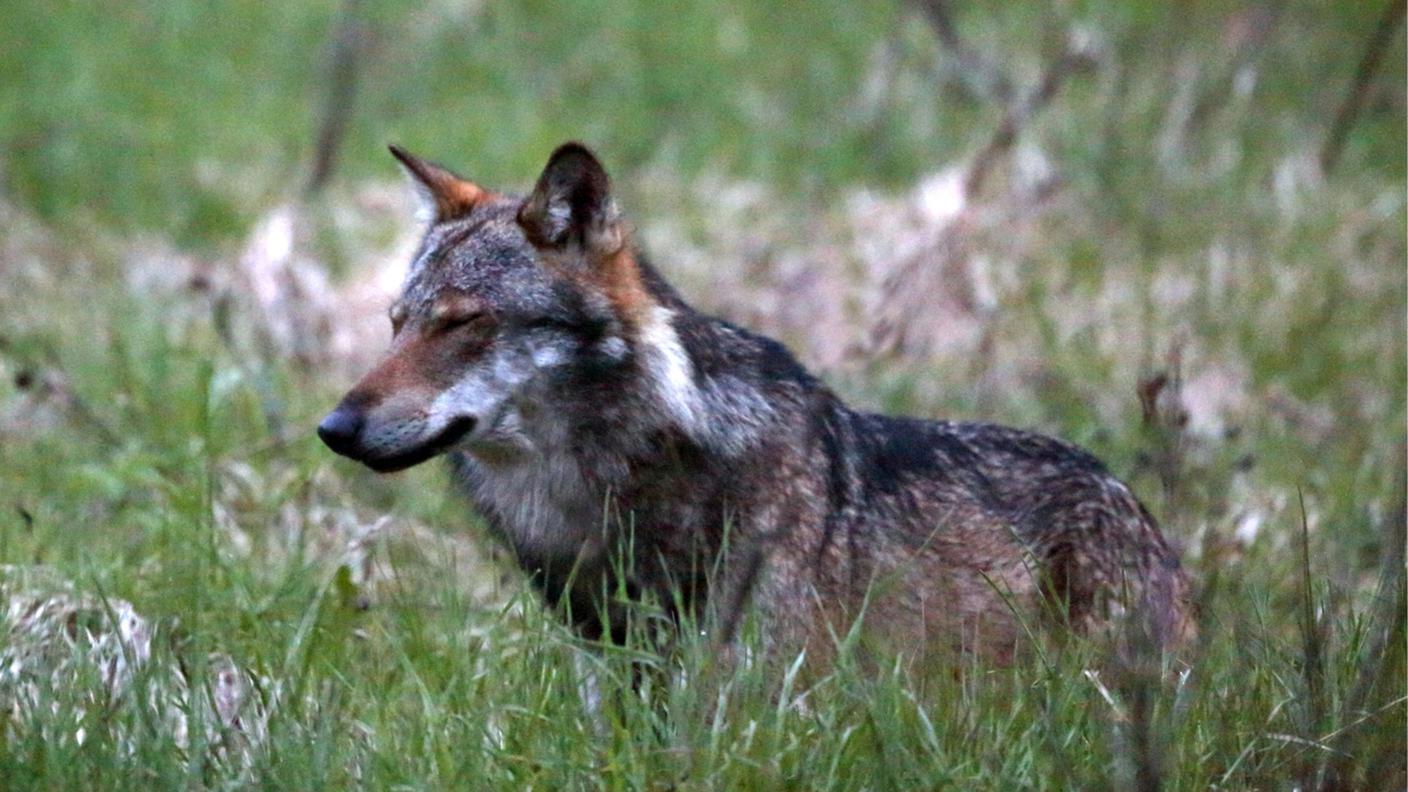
{"x":343,"y":429}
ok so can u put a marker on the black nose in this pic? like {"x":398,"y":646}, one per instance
{"x":340,"y":429}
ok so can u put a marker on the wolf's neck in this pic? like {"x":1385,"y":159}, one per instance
{"x":703,"y":378}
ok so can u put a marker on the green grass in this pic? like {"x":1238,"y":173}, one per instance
{"x":146,"y":457}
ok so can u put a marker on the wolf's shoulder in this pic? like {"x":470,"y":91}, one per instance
{"x":720,"y":349}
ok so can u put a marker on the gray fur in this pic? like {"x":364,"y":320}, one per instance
{"x":619,"y":441}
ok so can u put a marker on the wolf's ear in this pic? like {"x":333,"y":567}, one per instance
{"x":572,"y":204}
{"x":445,"y":195}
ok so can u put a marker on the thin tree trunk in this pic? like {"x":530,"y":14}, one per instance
{"x":344,"y":60}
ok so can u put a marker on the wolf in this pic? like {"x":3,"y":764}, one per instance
{"x":625,"y":447}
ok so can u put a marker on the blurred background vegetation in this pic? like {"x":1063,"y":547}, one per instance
{"x":189,"y":118}
{"x":1174,"y":232}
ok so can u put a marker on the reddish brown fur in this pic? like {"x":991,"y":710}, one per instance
{"x":423,"y":361}
{"x":453,"y":196}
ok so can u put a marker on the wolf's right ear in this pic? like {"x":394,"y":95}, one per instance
{"x":572,"y":204}
{"x":444,"y":195}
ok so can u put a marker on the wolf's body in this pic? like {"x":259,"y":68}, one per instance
{"x":623,"y":445}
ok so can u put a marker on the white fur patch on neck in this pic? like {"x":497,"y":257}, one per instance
{"x":725,"y":412}
{"x":671,"y":371}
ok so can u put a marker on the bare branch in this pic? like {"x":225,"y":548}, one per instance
{"x":982,"y":76}
{"x":1359,"y":89}
{"x":1250,"y":31}
{"x":947,"y":251}
{"x":1020,"y":112}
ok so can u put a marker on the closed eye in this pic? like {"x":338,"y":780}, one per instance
{"x":455,"y":321}
{"x":454,"y":313}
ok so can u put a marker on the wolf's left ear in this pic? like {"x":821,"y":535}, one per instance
{"x":444,"y":194}
{"x":572,"y":204}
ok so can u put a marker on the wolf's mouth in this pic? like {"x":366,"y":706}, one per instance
{"x":454,"y":432}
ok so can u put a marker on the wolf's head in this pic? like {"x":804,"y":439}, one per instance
{"x":508,"y":302}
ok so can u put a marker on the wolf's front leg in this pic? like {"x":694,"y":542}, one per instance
{"x":769,"y":611}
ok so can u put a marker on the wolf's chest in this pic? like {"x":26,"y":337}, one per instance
{"x":544,"y":506}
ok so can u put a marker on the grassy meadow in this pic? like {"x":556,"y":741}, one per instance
{"x":1149,"y":228}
